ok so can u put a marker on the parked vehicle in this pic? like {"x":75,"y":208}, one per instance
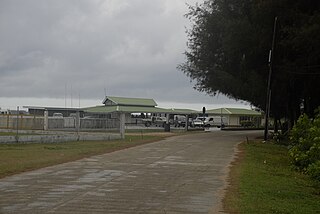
{"x":157,"y":121}
{"x":58,"y":115}
{"x":73,"y":115}
{"x":215,"y":121}
{"x":198,"y":122}
{"x":179,"y":120}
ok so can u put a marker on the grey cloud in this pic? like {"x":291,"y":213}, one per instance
{"x":129,"y":47}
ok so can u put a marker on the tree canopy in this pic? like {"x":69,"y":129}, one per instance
{"x":228,"y":49}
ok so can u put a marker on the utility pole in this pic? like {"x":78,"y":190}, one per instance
{"x":268,"y":98}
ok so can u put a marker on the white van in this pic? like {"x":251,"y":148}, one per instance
{"x":217,"y":121}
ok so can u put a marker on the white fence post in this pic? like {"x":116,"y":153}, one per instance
{"x":187,"y":122}
{"x":46,"y":120}
{"x":77,"y":121}
{"x":122,"y":125}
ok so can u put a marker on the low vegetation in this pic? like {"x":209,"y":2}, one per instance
{"x":305,"y":146}
{"x":262,"y":181}
{"x":16,"y":158}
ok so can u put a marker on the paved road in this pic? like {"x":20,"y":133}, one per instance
{"x":182,"y":174}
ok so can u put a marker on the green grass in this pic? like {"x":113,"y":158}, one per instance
{"x":262,"y":181}
{"x":16,"y":158}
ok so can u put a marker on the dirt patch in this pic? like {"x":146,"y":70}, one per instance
{"x":229,"y":200}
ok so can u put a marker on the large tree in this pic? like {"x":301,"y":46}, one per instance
{"x":228,"y":49}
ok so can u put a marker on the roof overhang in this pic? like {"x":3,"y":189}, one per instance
{"x":52,"y":108}
{"x":136,"y":109}
{"x":234,"y":111}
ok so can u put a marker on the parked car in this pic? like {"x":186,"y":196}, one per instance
{"x":215,"y":121}
{"x":198,"y":122}
{"x":157,"y":121}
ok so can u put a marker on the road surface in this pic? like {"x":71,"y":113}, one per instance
{"x":182,"y":174}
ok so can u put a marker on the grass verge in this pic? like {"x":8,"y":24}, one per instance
{"x":16,"y":158}
{"x":261,"y":181}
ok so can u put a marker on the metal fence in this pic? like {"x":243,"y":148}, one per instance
{"x":85,"y":123}
{"x":32,"y":122}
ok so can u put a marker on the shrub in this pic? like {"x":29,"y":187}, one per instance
{"x":281,"y":138}
{"x":305,"y":145}
{"x":314,"y":170}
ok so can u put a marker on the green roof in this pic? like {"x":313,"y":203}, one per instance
{"x":133,"y":105}
{"x":234,"y":111}
{"x":135,"y":109}
{"x":126,"y":101}
{"x":127,"y":109}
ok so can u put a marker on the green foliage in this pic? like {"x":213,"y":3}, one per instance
{"x":305,"y":141}
{"x":314,"y":170}
{"x":300,"y":130}
{"x":266,"y":184}
{"x":281,"y":138}
{"x":228,"y":50}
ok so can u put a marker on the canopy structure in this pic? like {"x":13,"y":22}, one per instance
{"x":124,"y":109}
{"x":234,"y":111}
{"x":136,"y":109}
{"x":121,"y":107}
{"x":125,"y":105}
{"x":133,"y":105}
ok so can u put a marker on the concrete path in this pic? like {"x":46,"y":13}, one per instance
{"x":183,"y":174}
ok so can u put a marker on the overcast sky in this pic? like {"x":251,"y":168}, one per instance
{"x":51,"y":51}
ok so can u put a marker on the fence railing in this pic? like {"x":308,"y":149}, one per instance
{"x":32,"y":122}
{"x":10,"y":121}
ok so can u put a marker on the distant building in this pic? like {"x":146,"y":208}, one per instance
{"x":14,"y":112}
{"x":39,"y":110}
{"x":238,"y":116}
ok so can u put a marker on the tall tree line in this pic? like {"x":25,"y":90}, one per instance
{"x":228,"y":49}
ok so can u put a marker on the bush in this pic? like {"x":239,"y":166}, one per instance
{"x":305,"y":145}
{"x":314,"y":170}
{"x":281,"y":138}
